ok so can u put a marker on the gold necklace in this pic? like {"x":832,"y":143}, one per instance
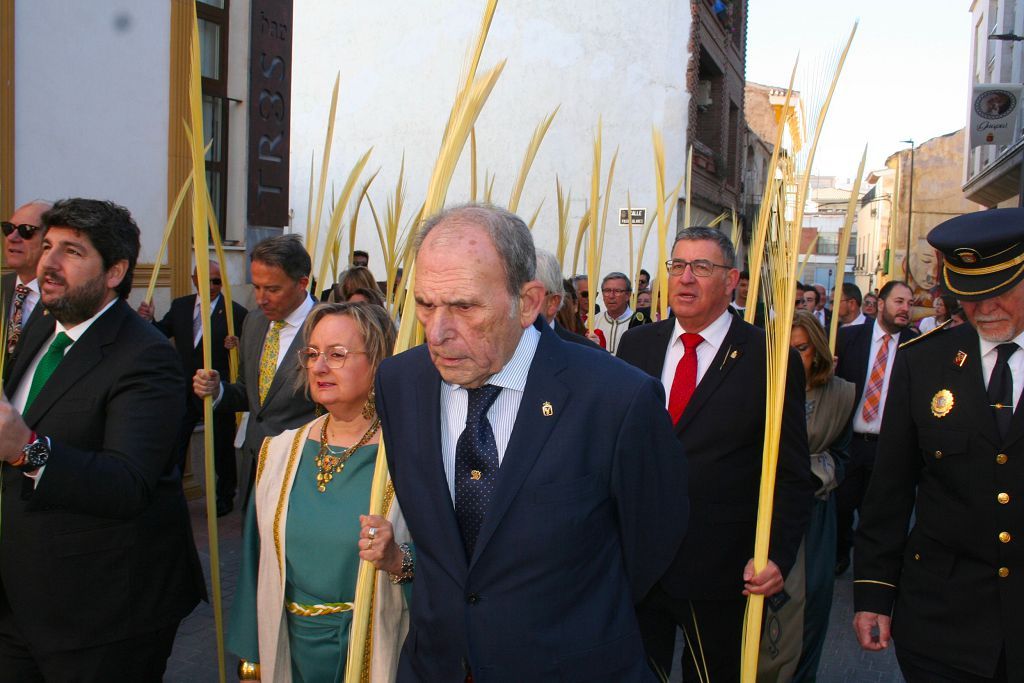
{"x":329,"y":464}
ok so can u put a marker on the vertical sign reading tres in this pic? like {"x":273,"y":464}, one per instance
{"x":270,"y":90}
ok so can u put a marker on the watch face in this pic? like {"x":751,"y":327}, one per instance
{"x":36,"y":454}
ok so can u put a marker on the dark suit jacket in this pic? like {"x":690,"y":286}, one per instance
{"x":722,"y":430}
{"x":177,"y":324}
{"x":853,"y":346}
{"x":568,"y":336}
{"x":589,"y":508}
{"x":286,"y":406}
{"x":941,"y":580}
{"x":101,"y":550}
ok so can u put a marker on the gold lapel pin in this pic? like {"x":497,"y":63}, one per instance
{"x":960,"y":359}
{"x":942,"y":403}
{"x":547,"y":409}
{"x":734,"y":355}
{"x":475,"y":475}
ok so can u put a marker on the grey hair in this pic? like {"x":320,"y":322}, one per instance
{"x":287,"y":253}
{"x":616,"y":275}
{"x":711,"y":235}
{"x":509,"y":235}
{"x":549,"y":272}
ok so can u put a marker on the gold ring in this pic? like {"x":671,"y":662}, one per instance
{"x":370,"y":544}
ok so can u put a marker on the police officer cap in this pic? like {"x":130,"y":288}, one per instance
{"x":983,"y":252}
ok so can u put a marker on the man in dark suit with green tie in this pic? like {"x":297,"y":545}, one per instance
{"x":97,"y":562}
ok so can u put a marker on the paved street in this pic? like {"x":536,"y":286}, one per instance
{"x":194,"y":659}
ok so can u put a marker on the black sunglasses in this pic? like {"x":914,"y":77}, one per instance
{"x":215,"y":281}
{"x":25,"y":230}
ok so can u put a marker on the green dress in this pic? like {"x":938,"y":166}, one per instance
{"x":322,"y":563}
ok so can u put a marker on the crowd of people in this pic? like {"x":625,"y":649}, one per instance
{"x":561,"y":501}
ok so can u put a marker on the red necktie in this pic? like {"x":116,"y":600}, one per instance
{"x":685,"y":380}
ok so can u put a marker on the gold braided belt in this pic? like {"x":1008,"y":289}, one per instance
{"x":318,"y":610}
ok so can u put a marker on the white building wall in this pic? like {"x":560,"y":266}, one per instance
{"x":400,"y":65}
{"x":91,"y":83}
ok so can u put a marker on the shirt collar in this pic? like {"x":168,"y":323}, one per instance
{"x":213,"y":302}
{"x":988,"y":347}
{"x":76,"y":331}
{"x":626,"y":315}
{"x":298,"y":316}
{"x":514,"y":373}
{"x":878,"y":332}
{"x":714,"y":333}
{"x":33,"y":285}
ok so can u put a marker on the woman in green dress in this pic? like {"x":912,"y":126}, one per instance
{"x":306,"y":528}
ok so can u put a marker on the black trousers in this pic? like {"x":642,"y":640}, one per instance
{"x":142,"y":658}
{"x":918,"y":669}
{"x":713,"y":630}
{"x":851,"y":492}
{"x":223,"y":447}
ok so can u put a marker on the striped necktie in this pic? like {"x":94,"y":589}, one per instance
{"x":268,"y":359}
{"x":873,"y":391}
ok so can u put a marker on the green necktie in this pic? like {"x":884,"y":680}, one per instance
{"x":47,"y":364}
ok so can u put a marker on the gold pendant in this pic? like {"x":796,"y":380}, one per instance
{"x":942,"y":403}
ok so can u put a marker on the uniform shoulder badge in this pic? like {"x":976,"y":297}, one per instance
{"x":940,"y":326}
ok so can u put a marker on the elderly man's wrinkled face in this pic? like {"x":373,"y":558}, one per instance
{"x":21,"y":254}
{"x":472,"y":323}
{"x":1000,"y":318}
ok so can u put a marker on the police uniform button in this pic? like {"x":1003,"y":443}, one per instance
{"x":1004,"y":537}
{"x":938,"y":455}
{"x":1004,"y":572}
{"x":1003,"y":498}
{"x":1001,"y":459}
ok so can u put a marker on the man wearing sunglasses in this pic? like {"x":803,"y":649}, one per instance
{"x":712,"y":365}
{"x":183,"y":323}
{"x":19,"y":291}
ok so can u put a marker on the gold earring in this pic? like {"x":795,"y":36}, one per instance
{"x":370,"y":407}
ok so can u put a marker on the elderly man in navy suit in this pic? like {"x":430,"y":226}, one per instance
{"x":542,"y":511}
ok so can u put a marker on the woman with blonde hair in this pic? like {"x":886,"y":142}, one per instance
{"x":794,"y":634}
{"x":306,"y":528}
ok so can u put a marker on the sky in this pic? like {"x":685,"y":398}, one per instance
{"x":906,"y":75}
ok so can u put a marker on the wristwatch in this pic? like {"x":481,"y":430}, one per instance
{"x":34,"y":454}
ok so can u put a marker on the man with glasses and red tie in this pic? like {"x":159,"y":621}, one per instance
{"x":866,"y":357}
{"x":948,"y":587}
{"x":183,"y":323}
{"x":19,"y":291}
{"x":712,"y":365}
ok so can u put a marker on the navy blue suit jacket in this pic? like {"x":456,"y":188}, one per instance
{"x":589,"y":509}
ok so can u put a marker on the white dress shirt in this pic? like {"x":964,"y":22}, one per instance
{"x":859,"y":424}
{"x":502,"y":413}
{"x":859,"y":320}
{"x":713,"y":334}
{"x":1015,"y":361}
{"x":197,"y":311}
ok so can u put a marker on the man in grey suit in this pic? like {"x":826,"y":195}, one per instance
{"x":271,"y":336}
{"x":19,"y":292}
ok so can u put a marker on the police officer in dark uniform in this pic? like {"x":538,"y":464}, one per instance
{"x":951,"y":452}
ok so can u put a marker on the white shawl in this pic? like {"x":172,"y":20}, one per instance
{"x":275,"y":475}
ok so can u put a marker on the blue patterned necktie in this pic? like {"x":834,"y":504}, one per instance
{"x":476,"y":465}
